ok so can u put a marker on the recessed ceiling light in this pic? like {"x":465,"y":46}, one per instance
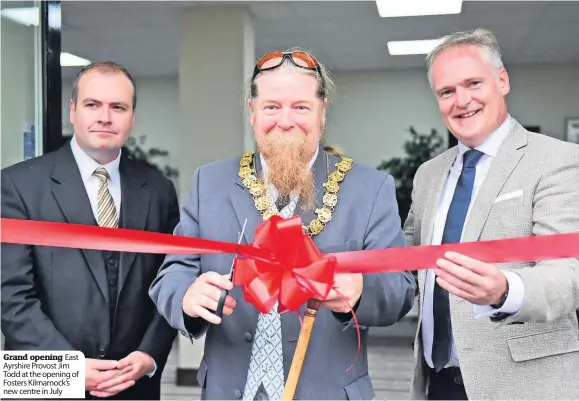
{"x":409,"y":8}
{"x":28,"y":16}
{"x":405,"y":47}
{"x":70,"y":60}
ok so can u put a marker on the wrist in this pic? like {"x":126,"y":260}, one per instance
{"x":502,"y":298}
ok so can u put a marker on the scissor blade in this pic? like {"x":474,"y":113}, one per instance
{"x":235,"y":256}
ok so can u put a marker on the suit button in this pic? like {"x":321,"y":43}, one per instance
{"x":237,"y":394}
{"x":248,"y":337}
{"x":112,"y":261}
{"x":102,"y":353}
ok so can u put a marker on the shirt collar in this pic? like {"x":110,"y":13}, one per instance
{"x":87,"y":165}
{"x":493,"y":142}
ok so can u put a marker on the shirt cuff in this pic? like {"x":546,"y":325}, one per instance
{"x":513,"y":303}
{"x":152,"y":373}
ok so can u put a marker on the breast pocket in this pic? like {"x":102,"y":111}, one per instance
{"x":540,"y":345}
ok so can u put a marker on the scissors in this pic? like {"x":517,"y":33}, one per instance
{"x":224,"y":293}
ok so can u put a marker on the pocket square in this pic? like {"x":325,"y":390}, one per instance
{"x":510,"y":195}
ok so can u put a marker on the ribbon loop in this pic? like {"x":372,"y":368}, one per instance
{"x":297,"y":272}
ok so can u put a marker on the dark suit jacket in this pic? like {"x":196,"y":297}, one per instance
{"x":58,"y":298}
{"x":366,"y":217}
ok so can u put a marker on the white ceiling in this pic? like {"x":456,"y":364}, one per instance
{"x":344,"y":35}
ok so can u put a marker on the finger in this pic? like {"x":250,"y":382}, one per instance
{"x":230,"y":302}
{"x":101,"y":394}
{"x":211,"y":304}
{"x":220,"y":281}
{"x":127,"y":361}
{"x":453,"y":290}
{"x":478,"y":267}
{"x":332,"y":295}
{"x":103,"y":376}
{"x":114,"y":390}
{"x":459,"y":272}
{"x":456,"y":282}
{"x":205,"y":314}
{"x":101,"y":364}
{"x":125,"y":376}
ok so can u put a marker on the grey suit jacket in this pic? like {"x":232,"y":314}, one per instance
{"x":535,"y":353}
{"x":366,"y":217}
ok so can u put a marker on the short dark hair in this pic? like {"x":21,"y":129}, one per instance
{"x":104,"y":66}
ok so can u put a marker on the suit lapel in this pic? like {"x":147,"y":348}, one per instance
{"x":319,"y":168}
{"x":69,"y":191}
{"x":505,"y":162}
{"x":134,"y":208}
{"x":437,"y":180}
{"x":244,"y":206}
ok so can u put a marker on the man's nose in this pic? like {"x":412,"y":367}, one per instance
{"x":285,"y":121}
{"x":463,"y":98}
{"x":105,"y":116}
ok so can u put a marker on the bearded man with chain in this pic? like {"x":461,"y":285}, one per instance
{"x":343,"y":206}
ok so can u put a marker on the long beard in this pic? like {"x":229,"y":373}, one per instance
{"x":287,"y":156}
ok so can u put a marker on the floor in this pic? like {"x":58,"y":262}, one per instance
{"x":390,"y":366}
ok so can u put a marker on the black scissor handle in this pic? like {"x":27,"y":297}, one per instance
{"x":221,"y":303}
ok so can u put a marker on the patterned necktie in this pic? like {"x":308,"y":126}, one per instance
{"x":265,"y":377}
{"x":452,"y":234}
{"x":107,"y":213}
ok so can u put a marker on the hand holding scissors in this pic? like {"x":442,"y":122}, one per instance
{"x":208,"y":297}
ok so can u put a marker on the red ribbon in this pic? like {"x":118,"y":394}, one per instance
{"x":298,"y":273}
{"x":283,"y":264}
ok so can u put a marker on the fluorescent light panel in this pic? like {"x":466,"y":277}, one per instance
{"x":70,"y":60}
{"x":409,"y":8}
{"x":28,"y":16}
{"x":405,"y":47}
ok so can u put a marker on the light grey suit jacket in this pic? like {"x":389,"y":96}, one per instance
{"x":366,"y":217}
{"x":535,"y":353}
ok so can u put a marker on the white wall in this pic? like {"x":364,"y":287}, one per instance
{"x":17,"y":88}
{"x":373,"y":110}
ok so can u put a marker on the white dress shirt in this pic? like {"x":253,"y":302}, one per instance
{"x":87,"y":165}
{"x":514,"y":301}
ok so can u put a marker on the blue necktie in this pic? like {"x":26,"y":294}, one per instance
{"x":452,"y":233}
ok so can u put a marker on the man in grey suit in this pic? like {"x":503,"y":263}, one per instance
{"x":493,"y":331}
{"x":248,"y":354}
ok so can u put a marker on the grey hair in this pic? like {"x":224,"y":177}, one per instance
{"x":326,"y":85}
{"x":484,"y":39}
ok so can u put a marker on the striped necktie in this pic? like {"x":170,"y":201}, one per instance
{"x":107,"y":213}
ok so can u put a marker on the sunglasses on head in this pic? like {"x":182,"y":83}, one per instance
{"x":274,"y":59}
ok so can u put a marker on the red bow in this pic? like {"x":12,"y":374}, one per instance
{"x":299,"y":271}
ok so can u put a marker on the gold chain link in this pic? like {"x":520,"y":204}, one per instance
{"x":324,"y":214}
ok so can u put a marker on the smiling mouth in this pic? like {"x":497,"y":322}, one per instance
{"x":467,"y":115}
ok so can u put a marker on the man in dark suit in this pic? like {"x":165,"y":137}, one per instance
{"x":92,"y":301}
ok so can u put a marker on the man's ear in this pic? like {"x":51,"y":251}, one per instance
{"x":71,"y":112}
{"x":504,"y":81}
{"x":324,"y":110}
{"x":251,"y":111}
